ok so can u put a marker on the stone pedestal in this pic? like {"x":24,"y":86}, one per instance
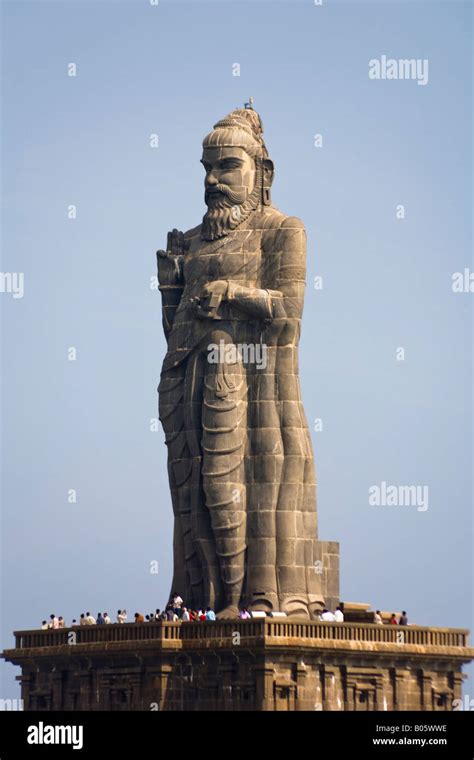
{"x":326,"y":556}
{"x":283,"y":664}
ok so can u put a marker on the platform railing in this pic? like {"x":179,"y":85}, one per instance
{"x":271,"y":631}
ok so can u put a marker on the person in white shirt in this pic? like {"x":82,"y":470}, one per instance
{"x":90,"y":619}
{"x":122,"y":616}
{"x":339,"y":615}
{"x":61,"y":622}
{"x":328,"y":616}
{"x":107,"y":619}
{"x":44,"y":625}
{"x":177,"y":603}
{"x":378,"y":618}
{"x":54,"y":621}
{"x":185,"y":615}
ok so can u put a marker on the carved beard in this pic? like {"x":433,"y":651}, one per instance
{"x":227,"y":208}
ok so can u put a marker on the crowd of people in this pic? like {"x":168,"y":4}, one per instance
{"x":338,"y":617}
{"x":175,"y":610}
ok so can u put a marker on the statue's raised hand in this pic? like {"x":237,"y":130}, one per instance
{"x":170,"y":262}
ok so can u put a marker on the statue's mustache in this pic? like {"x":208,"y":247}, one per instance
{"x":234,"y":196}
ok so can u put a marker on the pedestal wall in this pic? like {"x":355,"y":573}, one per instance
{"x":241,"y":665}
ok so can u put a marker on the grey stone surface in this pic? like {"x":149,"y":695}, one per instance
{"x":240,"y":458}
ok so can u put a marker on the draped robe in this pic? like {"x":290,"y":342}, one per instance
{"x":240,"y":458}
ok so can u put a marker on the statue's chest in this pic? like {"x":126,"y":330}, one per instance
{"x":236,"y":258}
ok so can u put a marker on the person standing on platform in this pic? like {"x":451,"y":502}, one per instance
{"x":339,"y":615}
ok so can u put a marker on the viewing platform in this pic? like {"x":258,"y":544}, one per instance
{"x":261,"y":631}
{"x":258,"y":664}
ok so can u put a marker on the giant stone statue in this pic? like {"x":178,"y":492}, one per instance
{"x":240,"y":459}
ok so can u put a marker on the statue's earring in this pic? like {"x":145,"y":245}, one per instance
{"x":267,"y":182}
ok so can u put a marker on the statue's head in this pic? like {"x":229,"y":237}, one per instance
{"x":239,"y":172}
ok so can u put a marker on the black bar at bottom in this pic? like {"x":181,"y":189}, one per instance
{"x":113,"y":734}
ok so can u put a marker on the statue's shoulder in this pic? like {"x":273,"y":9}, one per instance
{"x":193,"y":233}
{"x":274,"y":220}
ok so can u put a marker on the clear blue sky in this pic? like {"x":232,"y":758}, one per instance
{"x":85,"y":425}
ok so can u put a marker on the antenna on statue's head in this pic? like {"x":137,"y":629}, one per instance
{"x":249,"y":104}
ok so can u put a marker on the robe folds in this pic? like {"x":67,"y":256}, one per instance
{"x":240,"y":458}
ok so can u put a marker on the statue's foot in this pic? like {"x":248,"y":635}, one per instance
{"x":230,"y":612}
{"x":315,"y":607}
{"x":295,"y":607}
{"x":266,"y":603}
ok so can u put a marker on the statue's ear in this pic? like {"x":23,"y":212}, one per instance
{"x":268,"y":172}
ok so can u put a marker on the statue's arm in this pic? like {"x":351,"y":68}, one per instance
{"x":171,"y":277}
{"x":257,"y":302}
{"x":286,"y":265}
{"x":288,"y":272}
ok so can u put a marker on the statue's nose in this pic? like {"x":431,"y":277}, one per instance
{"x":210,"y":180}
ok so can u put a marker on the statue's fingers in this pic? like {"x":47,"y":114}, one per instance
{"x":169,"y":241}
{"x":174,"y":241}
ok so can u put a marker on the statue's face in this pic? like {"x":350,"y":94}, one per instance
{"x":230,"y":175}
